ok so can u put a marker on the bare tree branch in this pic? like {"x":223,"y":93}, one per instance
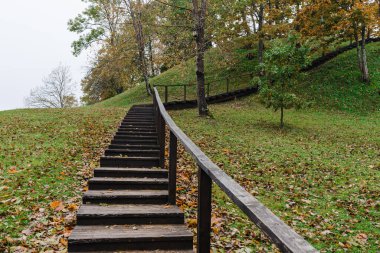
{"x":56,"y":92}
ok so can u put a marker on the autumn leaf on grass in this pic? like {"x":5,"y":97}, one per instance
{"x":192,"y":223}
{"x":73,"y":207}
{"x":56,"y":205}
{"x":361,"y":238}
{"x":67,"y":232}
{"x":12,"y":170}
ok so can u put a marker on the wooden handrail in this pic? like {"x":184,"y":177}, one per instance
{"x":286,"y":239}
{"x":206,"y":83}
{"x":227,"y":80}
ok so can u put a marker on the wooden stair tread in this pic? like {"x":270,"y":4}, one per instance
{"x":131,"y":193}
{"x":142,"y":251}
{"x":131,"y":169}
{"x":136,"y":233}
{"x":131,"y":146}
{"x":132,"y":150}
{"x":153,"y":158}
{"x":128,"y":210}
{"x":130,"y":180}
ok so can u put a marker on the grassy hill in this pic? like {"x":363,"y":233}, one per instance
{"x":320,"y":174}
{"x":45,"y":157}
{"x":335,"y":85}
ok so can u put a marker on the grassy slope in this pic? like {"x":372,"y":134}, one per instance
{"x":45,"y":158}
{"x":47,"y":154}
{"x":320,"y":174}
{"x":335,"y":85}
{"x":215,"y":69}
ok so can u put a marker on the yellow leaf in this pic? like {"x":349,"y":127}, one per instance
{"x":72,"y":207}
{"x":192,"y":222}
{"x":56,"y":205}
{"x":12,"y":170}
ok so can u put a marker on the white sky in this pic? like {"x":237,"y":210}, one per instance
{"x":33,"y":41}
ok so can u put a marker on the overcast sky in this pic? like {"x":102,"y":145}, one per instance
{"x":33,"y":40}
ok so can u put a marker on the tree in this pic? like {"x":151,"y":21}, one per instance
{"x":56,"y":92}
{"x":282,"y":65}
{"x":98,"y":23}
{"x":337,"y":21}
{"x":134,"y":9}
{"x":199,"y":15}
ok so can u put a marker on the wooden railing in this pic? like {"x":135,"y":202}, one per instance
{"x":228,"y":83}
{"x":286,"y":239}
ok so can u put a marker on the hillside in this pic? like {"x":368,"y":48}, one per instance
{"x":321,"y":180}
{"x":320,"y":174}
{"x":334,"y":85}
{"x":46,"y":156}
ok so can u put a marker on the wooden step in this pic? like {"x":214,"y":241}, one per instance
{"x":131,"y":162}
{"x":133,"y":142}
{"x":136,"y":129}
{"x":132,"y":152}
{"x":130,"y":172}
{"x":145,"y":119}
{"x":135,"y":137}
{"x":139,"y":117}
{"x":129,"y":214}
{"x":131,"y":237}
{"x":135,"y":113}
{"x":126,"y":196}
{"x":151,"y":114}
{"x":137,"y":124}
{"x":134,"y":146}
{"x":137,"y":133}
{"x":151,"y":122}
{"x":120,"y":183}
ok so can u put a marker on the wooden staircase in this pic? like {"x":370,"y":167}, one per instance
{"x":125,"y":208}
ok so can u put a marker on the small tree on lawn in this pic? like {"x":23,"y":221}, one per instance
{"x":282,"y":65}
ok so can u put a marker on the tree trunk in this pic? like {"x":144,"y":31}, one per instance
{"x":137,"y":25}
{"x":199,"y":15}
{"x":261,"y":35}
{"x":364,"y":69}
{"x":357,"y":46}
{"x":151,"y":57}
{"x":245,"y":23}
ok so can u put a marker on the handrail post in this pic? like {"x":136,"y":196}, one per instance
{"x":155,"y":110}
{"x":161,"y":139}
{"x":184,"y":92}
{"x":172,"y":168}
{"x":204,"y":211}
{"x":166,"y":94}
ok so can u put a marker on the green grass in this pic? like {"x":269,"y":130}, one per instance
{"x":320,"y":174}
{"x":46,"y":156}
{"x":335,"y":85}
{"x":218,"y":66}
